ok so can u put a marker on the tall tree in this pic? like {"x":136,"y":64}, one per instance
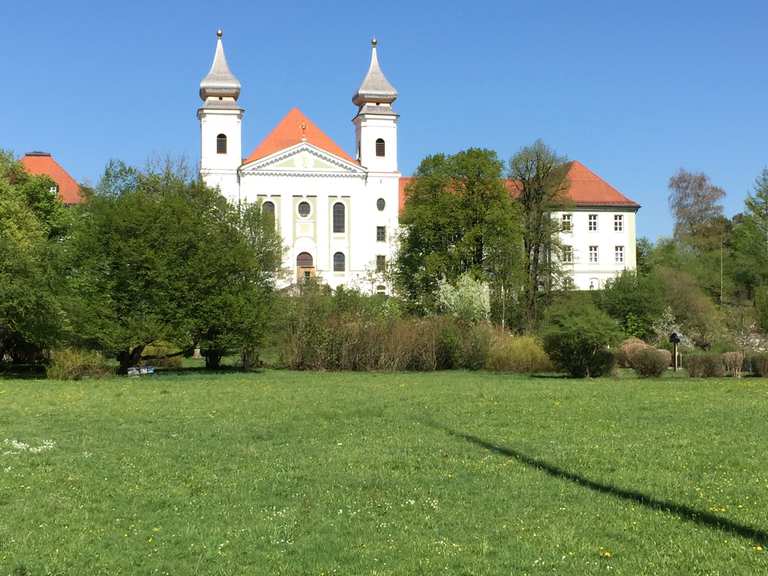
{"x":540,"y":176}
{"x":458,"y":218}
{"x":695,"y":203}
{"x":750,"y":238}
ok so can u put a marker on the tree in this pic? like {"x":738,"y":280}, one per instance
{"x":635,"y":300}
{"x":32,"y":224}
{"x":694,"y":201}
{"x":540,"y":176}
{"x":169,"y":260}
{"x":750,"y":239}
{"x":459,"y":218}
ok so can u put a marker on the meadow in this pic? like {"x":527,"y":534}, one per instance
{"x":456,"y":473}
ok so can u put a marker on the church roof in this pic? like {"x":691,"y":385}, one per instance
{"x":43,"y":164}
{"x":375,"y":87}
{"x":586,"y":189}
{"x":220,"y":81}
{"x":294,"y":128}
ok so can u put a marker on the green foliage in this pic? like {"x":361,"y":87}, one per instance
{"x":761,"y":307}
{"x":757,"y":363}
{"x":467,"y":299}
{"x":750,"y":239}
{"x":75,"y":364}
{"x":650,"y":362}
{"x":521,"y":354}
{"x":704,"y":365}
{"x":578,"y":339}
{"x":635,"y":301}
{"x":458,"y":218}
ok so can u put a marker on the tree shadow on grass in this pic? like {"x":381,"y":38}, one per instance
{"x":683,"y":512}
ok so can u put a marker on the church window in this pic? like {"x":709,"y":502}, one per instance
{"x":380,"y":147}
{"x":380,"y":204}
{"x":338,"y":262}
{"x":381,"y":234}
{"x":268,"y":210}
{"x":221,"y":144}
{"x":339,"y":211}
{"x":304,"y":209}
{"x":381,"y":263}
{"x":304,"y":260}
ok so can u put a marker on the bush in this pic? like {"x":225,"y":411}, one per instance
{"x":577,"y":338}
{"x":475,"y":346}
{"x":734,"y":363}
{"x":704,"y":365}
{"x":74,"y":364}
{"x":651,"y":362}
{"x":627,"y":350}
{"x":522,"y":354}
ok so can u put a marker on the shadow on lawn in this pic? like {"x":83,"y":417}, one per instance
{"x":681,"y":511}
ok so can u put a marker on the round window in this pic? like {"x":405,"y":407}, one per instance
{"x":380,"y":204}
{"x":304,"y":209}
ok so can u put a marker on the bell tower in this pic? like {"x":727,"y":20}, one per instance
{"x":376,"y":121}
{"x":221,"y":126}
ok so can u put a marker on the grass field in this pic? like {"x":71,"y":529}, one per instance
{"x":444,"y":473}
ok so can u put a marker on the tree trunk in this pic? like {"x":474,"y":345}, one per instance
{"x":128,"y":358}
{"x":213,"y":359}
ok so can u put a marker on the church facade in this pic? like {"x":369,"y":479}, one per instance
{"x":338,"y":214}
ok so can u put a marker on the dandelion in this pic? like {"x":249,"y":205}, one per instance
{"x":605,"y":553}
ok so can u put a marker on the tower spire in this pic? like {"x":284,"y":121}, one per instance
{"x":375,"y":89}
{"x":220,"y":82}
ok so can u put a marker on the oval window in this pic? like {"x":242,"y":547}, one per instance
{"x":304,"y":209}
{"x":380,"y":204}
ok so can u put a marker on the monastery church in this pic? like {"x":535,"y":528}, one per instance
{"x":337,"y":213}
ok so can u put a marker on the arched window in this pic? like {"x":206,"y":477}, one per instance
{"x":304,"y":260}
{"x":380,"y":147}
{"x":338,"y":262}
{"x":338,"y":217}
{"x":304,"y":209}
{"x":268,"y":210}
{"x":221,"y":144}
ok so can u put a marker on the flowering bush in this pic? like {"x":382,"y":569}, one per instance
{"x":468,"y":299}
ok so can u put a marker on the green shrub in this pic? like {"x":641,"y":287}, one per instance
{"x":650,"y":362}
{"x":475,"y":346}
{"x":577,"y":338}
{"x":74,"y":364}
{"x":704,"y":365}
{"x":757,"y":363}
{"x":521,"y":354}
{"x":449,"y":339}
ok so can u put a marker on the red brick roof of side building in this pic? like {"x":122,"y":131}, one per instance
{"x":294,"y":128}
{"x":586,"y":189}
{"x":43,"y":164}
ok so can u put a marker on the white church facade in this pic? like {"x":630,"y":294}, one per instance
{"x":338,"y":214}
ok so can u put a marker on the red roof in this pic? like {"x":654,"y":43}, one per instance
{"x":295,"y":127}
{"x":586,"y":189}
{"x":43,"y":164}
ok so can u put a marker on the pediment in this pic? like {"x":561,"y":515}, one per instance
{"x":303,"y":159}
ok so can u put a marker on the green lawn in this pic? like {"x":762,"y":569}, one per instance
{"x":450,"y":473}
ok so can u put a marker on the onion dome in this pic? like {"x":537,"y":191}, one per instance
{"x":220,"y":82}
{"x":375,"y":88}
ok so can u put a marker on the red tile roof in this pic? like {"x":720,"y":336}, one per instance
{"x":586,"y":189}
{"x":295,"y":127}
{"x":43,"y":164}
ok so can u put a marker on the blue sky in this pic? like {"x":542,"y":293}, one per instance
{"x":633,"y":90}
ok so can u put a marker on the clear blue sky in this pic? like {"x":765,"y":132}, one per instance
{"x":634,"y":90}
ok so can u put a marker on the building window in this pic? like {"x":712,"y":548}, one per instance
{"x":619,"y":254}
{"x":567,"y":222}
{"x":618,"y":223}
{"x":381,"y":289}
{"x":338,"y":262}
{"x":268,"y":211}
{"x":381,"y":263}
{"x":381,"y":234}
{"x":567,"y":254}
{"x":593,"y":222}
{"x":380,"y":204}
{"x":380,"y":147}
{"x":304,"y":209}
{"x":304,"y":260}
{"x":594,"y":255}
{"x":221,"y":144}
{"x":339,"y":212}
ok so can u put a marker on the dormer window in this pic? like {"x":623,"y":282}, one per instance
{"x":380,"y":147}
{"x":221,"y":144}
